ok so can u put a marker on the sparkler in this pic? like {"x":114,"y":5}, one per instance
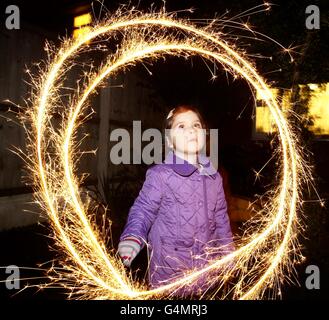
{"x":269,"y":249}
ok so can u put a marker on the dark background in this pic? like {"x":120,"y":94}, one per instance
{"x":226,"y":104}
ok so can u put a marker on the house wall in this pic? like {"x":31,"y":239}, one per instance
{"x":127,"y":97}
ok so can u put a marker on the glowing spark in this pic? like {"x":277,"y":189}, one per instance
{"x":88,"y":270}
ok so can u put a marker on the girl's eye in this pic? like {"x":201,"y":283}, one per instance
{"x":181,"y":126}
{"x":198,"y":125}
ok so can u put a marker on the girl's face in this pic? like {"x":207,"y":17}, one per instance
{"x":186,"y":134}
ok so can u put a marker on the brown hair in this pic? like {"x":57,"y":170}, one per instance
{"x":170,"y":117}
{"x":168,"y":122}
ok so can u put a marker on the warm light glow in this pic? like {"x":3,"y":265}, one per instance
{"x":266,"y":95}
{"x":79,"y":32}
{"x":318,"y":108}
{"x":265,"y":123}
{"x":87,"y":267}
{"x":82,"y":20}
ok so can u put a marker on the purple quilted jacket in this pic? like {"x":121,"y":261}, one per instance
{"x":179,"y":211}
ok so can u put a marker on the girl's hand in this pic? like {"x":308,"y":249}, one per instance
{"x":128,"y":249}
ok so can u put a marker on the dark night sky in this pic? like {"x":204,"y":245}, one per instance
{"x":222,"y":101}
{"x":285,"y":23}
{"x":180,"y":81}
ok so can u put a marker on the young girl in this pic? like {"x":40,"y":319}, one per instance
{"x":181,"y":208}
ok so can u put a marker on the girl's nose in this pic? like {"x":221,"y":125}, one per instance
{"x":191,"y":129}
{"x":191,"y":133}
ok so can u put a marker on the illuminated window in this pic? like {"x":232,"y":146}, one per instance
{"x":264,"y":120}
{"x":318,"y":106}
{"x":316,"y":96}
{"x":81,"y":24}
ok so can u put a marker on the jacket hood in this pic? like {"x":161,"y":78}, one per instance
{"x":185,"y":168}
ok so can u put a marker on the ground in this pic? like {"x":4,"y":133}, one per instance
{"x":29,"y":246}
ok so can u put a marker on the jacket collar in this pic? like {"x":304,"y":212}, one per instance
{"x":185,"y":168}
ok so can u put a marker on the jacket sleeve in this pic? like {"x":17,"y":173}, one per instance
{"x":223,"y":228}
{"x":144,"y":210}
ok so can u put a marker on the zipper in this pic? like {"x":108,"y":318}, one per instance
{"x":205,"y":201}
